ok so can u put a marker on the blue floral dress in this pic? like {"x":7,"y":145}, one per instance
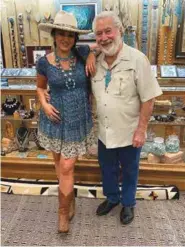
{"x":73,"y":136}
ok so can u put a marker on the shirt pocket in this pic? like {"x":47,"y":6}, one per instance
{"x":123,"y":82}
{"x":98,"y":84}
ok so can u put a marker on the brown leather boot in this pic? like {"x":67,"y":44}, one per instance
{"x":72,"y":207}
{"x":64,"y":205}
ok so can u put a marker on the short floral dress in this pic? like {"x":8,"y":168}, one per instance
{"x":73,"y":136}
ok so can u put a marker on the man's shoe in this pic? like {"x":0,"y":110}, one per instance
{"x":105,"y":207}
{"x":127,"y":215}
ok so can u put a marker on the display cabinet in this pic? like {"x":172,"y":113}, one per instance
{"x":37,"y":163}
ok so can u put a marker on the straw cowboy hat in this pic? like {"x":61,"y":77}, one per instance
{"x":63,"y":21}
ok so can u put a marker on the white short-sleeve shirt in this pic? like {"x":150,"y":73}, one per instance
{"x":118,"y":105}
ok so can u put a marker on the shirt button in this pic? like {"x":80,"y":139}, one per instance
{"x":105,"y":105}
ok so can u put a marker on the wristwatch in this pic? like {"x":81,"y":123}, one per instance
{"x":96,"y":52}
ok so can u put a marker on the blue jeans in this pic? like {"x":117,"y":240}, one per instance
{"x":114,"y":162}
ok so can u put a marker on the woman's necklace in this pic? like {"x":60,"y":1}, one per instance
{"x":69,"y":76}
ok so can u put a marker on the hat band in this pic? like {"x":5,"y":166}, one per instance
{"x":65,"y":25}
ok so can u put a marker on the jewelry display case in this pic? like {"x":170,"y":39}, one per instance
{"x":31,"y":161}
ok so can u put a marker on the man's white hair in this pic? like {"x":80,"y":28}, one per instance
{"x":111,"y":14}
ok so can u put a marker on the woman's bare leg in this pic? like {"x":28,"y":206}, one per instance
{"x":56,"y":157}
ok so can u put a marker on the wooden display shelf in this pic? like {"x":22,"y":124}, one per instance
{"x":174,"y":123}
{"x":171,"y":81}
{"x":11,"y":118}
{"x":18,"y":92}
{"x":87,"y":171}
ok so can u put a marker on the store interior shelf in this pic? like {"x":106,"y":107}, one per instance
{"x":18,"y":91}
{"x":87,"y":171}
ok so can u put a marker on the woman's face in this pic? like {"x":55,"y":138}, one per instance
{"x":64,"y":40}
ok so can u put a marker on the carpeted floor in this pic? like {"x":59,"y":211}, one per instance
{"x":32,"y":221}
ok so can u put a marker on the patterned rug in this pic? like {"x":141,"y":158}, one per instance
{"x":32,"y":221}
{"x":49,"y":188}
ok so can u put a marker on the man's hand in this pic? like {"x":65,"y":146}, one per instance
{"x":138,"y":138}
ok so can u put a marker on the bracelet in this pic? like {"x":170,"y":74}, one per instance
{"x":95,"y":52}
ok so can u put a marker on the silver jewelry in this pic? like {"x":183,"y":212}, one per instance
{"x":13,"y":44}
{"x":145,"y":27}
{"x":22,"y":43}
{"x":69,"y":78}
{"x":22,"y":138}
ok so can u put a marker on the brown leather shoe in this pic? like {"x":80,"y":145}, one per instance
{"x":64,"y":205}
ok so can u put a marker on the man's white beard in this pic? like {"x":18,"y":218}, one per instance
{"x":114,"y":47}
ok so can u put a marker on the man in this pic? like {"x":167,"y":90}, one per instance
{"x":124,"y":88}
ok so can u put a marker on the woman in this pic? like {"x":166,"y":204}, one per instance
{"x":65,"y":125}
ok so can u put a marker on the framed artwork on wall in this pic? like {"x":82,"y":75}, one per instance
{"x":84,"y":11}
{"x":168,"y":71}
{"x":35,"y":52}
{"x":181,"y":72}
{"x":38,"y":54}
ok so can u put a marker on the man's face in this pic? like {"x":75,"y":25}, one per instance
{"x":108,"y":37}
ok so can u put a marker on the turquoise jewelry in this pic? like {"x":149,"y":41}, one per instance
{"x":129,"y":36}
{"x":11,"y":21}
{"x":107,"y":78}
{"x":154,"y":31}
{"x":69,"y":75}
{"x":59,"y":59}
{"x":145,"y":27}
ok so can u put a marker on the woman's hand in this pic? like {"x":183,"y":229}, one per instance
{"x":52,"y":113}
{"x":90,"y":67}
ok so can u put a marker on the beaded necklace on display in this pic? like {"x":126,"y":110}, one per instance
{"x":68,"y":74}
{"x":154,"y":31}
{"x":145,"y":24}
{"x":13,"y":42}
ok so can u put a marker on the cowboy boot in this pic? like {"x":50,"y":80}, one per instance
{"x":72,"y":207}
{"x":64,"y":204}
